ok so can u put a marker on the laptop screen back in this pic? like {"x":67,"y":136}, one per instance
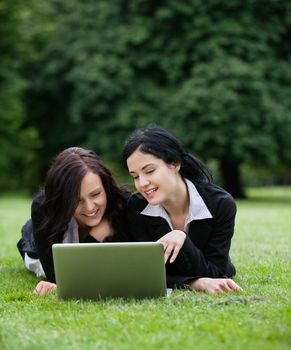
{"x":108,"y":270}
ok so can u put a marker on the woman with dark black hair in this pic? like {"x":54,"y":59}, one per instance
{"x":81,"y":202}
{"x":179,"y":206}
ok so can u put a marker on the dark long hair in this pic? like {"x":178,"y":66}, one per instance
{"x":164,"y":145}
{"x":62,"y":191}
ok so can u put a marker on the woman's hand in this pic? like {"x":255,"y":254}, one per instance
{"x":44,"y":288}
{"x":172,"y":242}
{"x":215,"y":285}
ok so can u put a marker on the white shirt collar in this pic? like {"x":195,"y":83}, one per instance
{"x":197,"y":209}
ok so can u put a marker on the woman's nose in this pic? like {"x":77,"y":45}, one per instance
{"x":143,"y":181}
{"x":89,"y":205}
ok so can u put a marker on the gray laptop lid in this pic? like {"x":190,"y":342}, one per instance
{"x":105,"y":270}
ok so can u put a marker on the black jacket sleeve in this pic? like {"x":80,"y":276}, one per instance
{"x":44,"y":248}
{"x":210,"y":259}
{"x":205,"y":252}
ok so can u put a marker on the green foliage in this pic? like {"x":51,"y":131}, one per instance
{"x":217,"y":73}
{"x":257,"y":318}
{"x":81,"y":78}
{"x":18,"y":141}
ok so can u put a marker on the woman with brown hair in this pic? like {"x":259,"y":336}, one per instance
{"x":81,"y":202}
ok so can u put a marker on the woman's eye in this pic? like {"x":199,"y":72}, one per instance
{"x":96,"y":194}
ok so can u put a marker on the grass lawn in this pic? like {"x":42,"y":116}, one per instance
{"x":258,"y":318}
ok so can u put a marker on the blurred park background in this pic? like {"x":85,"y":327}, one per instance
{"x":86,"y":73}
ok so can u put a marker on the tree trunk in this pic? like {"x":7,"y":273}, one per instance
{"x":230,"y":172}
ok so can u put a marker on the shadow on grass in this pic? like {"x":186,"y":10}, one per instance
{"x":239,"y":300}
{"x":268,"y":195}
{"x":266,"y":200}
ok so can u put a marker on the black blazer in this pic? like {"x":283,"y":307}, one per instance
{"x":44,"y":246}
{"x":205,"y":252}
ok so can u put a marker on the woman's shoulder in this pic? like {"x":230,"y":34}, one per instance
{"x":136,"y":202}
{"x":37,"y":214}
{"x":38,"y":199}
{"x":125,"y":192}
{"x":215,"y":196}
{"x":212,"y":190}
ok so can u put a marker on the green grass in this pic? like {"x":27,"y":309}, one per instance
{"x":258,"y":318}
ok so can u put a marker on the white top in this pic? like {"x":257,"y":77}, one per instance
{"x":72,"y":233}
{"x":71,"y":236}
{"x":197,"y":208}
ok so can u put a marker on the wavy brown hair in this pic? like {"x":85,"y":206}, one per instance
{"x":62,"y":192}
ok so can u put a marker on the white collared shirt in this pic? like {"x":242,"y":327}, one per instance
{"x":197,"y":208}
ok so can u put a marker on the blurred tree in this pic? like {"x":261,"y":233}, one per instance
{"x":218,"y":74}
{"x":17,"y":141}
{"x":214,"y":72}
{"x":80,"y":79}
{"x":235,"y":95}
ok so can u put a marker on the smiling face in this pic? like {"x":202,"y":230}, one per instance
{"x":153,"y":178}
{"x":92,"y":202}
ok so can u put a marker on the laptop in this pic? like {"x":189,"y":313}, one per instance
{"x":109,"y":270}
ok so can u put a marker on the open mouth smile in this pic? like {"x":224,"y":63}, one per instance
{"x":152,"y":190}
{"x":91,"y":214}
